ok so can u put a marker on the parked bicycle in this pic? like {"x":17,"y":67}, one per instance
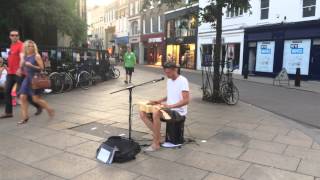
{"x":68,"y":78}
{"x":228,"y":90}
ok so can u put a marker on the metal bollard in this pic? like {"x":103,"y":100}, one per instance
{"x":297,"y":77}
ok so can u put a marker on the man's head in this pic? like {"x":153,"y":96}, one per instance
{"x":171,"y":70}
{"x":129,"y":49}
{"x":14,"y":35}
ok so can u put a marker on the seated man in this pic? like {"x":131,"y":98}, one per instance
{"x":175,"y":104}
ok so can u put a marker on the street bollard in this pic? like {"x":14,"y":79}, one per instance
{"x":298,"y":77}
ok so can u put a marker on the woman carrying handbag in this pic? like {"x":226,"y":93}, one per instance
{"x":32,"y":66}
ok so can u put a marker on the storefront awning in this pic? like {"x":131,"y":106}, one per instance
{"x":122,"y":40}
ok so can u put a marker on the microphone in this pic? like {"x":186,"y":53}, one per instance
{"x":157,"y":80}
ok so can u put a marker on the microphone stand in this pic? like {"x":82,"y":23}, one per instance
{"x":130,"y":88}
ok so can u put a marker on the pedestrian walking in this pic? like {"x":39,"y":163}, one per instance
{"x":14,"y":73}
{"x":32,"y":64}
{"x":129,"y":63}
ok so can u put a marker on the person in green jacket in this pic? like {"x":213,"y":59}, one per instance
{"x":129,"y":63}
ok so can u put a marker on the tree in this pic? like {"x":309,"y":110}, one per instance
{"x":35,"y":18}
{"x":212,"y":13}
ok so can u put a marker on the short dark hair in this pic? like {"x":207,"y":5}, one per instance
{"x":170,"y":65}
{"x":14,"y":30}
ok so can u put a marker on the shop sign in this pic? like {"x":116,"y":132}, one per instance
{"x":133,"y":40}
{"x":265,"y":56}
{"x":155,"y":40}
{"x":297,"y":55}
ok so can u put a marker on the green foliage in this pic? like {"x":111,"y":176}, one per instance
{"x":38,"y":16}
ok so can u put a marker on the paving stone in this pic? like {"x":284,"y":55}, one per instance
{"x":53,"y":178}
{"x":62,"y":125}
{"x":218,"y":164}
{"x":213,"y":176}
{"x":299,"y":134}
{"x":61,"y":140}
{"x":171,"y":154}
{"x":89,"y":137}
{"x":13,"y":170}
{"x":257,"y":172}
{"x":162,"y":169}
{"x":218,"y":149}
{"x":315,"y":145}
{"x":31,"y":132}
{"x":242,"y":125}
{"x":105,"y":172}
{"x":293,"y":141}
{"x":267,"y":146}
{"x":231,"y":138}
{"x":144,"y":178}
{"x":304,"y":153}
{"x":271,"y":159}
{"x":203,"y":131}
{"x":66,"y":165}
{"x":273,"y":129}
{"x":87,"y":149}
{"x":309,"y":167}
{"x":29,"y":152}
{"x":252,"y":134}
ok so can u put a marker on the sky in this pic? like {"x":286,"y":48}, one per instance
{"x":92,"y":3}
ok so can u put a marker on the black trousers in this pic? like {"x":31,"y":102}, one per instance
{"x":11,"y":80}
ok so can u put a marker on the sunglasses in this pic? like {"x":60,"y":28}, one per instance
{"x":14,"y":35}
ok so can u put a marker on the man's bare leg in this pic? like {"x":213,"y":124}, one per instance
{"x":156,"y":129}
{"x":146,"y":120}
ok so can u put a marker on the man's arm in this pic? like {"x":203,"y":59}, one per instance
{"x":185,"y":100}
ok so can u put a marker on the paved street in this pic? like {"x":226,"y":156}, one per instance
{"x":232,"y":142}
{"x":301,"y":104}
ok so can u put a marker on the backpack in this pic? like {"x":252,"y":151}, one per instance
{"x":126,"y":149}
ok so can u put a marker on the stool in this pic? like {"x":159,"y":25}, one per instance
{"x":175,"y":131}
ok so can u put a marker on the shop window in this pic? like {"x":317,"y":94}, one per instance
{"x":309,"y":8}
{"x":206,"y":53}
{"x":264,"y":9}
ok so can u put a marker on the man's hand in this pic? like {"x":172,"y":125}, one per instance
{"x":165,"y":105}
{"x":19,"y":72}
{"x":153,"y":102}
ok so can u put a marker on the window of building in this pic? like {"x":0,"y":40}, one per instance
{"x":136,"y":7}
{"x":235,"y":12}
{"x":144,"y":26}
{"x":151,"y":25}
{"x":159,"y":24}
{"x":171,"y":28}
{"x":154,"y":24}
{"x":309,"y":8}
{"x":131,"y":9}
{"x":264,"y":9}
{"x":134,"y":28}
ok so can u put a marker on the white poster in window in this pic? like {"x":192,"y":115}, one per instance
{"x":265,"y":56}
{"x":297,"y":55}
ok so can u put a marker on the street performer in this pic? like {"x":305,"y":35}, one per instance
{"x":175,"y":104}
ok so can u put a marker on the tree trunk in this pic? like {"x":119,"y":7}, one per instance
{"x":217,"y":57}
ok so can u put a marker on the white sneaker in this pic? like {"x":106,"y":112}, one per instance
{"x":170,"y":145}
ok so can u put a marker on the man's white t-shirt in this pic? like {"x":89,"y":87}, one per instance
{"x":174,"y":93}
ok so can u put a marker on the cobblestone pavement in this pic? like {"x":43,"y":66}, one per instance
{"x":232,"y":142}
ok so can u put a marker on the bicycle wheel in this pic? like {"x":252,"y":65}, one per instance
{"x":230,"y":93}
{"x":56,"y":82}
{"x":68,"y":82}
{"x":115,"y":73}
{"x":84,"y":80}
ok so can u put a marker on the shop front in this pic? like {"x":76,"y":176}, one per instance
{"x":181,"y":37}
{"x":269,"y":49}
{"x":153,"y":48}
{"x":121,"y":43}
{"x":134,"y":44}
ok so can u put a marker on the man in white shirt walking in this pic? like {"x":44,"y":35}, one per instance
{"x":175,"y":104}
